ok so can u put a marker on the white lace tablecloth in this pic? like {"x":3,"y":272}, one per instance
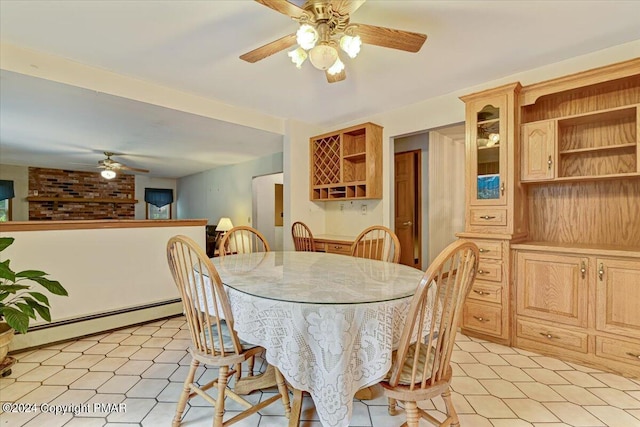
{"x":329,"y":349}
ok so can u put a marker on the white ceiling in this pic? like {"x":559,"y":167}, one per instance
{"x":193,"y":47}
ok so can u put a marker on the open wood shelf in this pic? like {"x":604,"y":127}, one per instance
{"x":347,"y":164}
{"x":601,"y":148}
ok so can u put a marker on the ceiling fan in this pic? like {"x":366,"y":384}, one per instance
{"x":110,"y":167}
{"x":326,"y":25}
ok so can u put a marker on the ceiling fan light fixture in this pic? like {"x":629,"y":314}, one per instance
{"x":336,"y":68}
{"x":351,"y":45}
{"x":306,"y":36}
{"x":298,"y":56}
{"x":108,"y":174}
{"x":323,"y":56}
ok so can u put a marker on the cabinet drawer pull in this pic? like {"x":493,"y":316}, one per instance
{"x":637,"y":356}
{"x":482,"y":272}
{"x":601,"y":271}
{"x":547,"y":335}
{"x":487,"y":217}
{"x":337,"y":247}
{"x":583,"y":269}
{"x":482,"y":250}
{"x":480,"y":319}
{"x":549,"y":162}
{"x":481,"y":292}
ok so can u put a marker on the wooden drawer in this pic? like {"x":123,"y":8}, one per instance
{"x":488,"y":270}
{"x":338,"y":248}
{"x":489,"y":249}
{"x":488,"y":292}
{"x":624,"y":351}
{"x":550,"y":335}
{"x":488,"y":216}
{"x":482,"y":318}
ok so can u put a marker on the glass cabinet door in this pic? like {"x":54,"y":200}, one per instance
{"x":488,"y":151}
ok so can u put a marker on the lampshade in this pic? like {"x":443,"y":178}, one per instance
{"x":306,"y":36}
{"x":298,"y":56}
{"x":224,"y":224}
{"x":337,"y":67}
{"x":108,"y":174}
{"x":323,"y":56}
{"x":351,"y":45}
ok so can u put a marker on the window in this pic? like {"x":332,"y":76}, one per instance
{"x":6,"y":194}
{"x":159,"y":202}
{"x":5,"y":210}
{"x":154,"y":212}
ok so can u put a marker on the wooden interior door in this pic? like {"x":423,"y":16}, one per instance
{"x":407,"y":207}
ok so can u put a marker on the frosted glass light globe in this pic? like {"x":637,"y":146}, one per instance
{"x":323,"y":56}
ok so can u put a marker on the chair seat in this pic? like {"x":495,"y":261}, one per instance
{"x":405,"y":373}
{"x":226,"y":339}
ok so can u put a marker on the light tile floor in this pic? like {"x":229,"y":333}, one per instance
{"x":143,"y":367}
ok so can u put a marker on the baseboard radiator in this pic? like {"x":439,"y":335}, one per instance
{"x":49,"y":333}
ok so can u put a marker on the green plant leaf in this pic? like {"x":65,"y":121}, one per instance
{"x":4,"y":242}
{"x":26,"y":309}
{"x":40,"y":297}
{"x":52,"y":286}
{"x":41,"y":309}
{"x":30,"y":274}
{"x":12,"y":289}
{"x":6,"y":272}
{"x":15,"y":318}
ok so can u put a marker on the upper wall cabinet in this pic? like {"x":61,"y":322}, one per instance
{"x":492,"y":195}
{"x":488,"y":151}
{"x":347,"y":164}
{"x":583,"y":133}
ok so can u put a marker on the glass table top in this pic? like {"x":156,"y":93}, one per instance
{"x":317,"y":277}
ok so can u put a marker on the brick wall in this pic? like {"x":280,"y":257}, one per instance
{"x":61,"y":184}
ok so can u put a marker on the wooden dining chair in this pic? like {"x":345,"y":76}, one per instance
{"x":213,"y":340}
{"x":421,"y":366}
{"x":377,"y":242}
{"x":302,"y":237}
{"x":243,"y":240}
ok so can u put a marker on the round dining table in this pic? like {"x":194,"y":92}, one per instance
{"x":328,"y":322}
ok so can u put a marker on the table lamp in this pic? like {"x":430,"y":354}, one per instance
{"x":223,"y":226}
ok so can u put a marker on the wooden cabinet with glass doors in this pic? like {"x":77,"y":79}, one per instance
{"x":495,"y":206}
{"x":491,"y":150}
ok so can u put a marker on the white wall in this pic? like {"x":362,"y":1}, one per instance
{"x":224,"y":191}
{"x":446,"y":193}
{"x":264,"y":192}
{"x":429,"y":114}
{"x":297,"y":206}
{"x":102,"y":269}
{"x":20,"y":177}
{"x":142,"y":182}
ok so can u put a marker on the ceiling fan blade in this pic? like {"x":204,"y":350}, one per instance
{"x":335,"y":77}
{"x":283,"y":7}
{"x":346,"y":7}
{"x":108,"y":163}
{"x":388,"y":37}
{"x":132,"y":169}
{"x":269,"y":49}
